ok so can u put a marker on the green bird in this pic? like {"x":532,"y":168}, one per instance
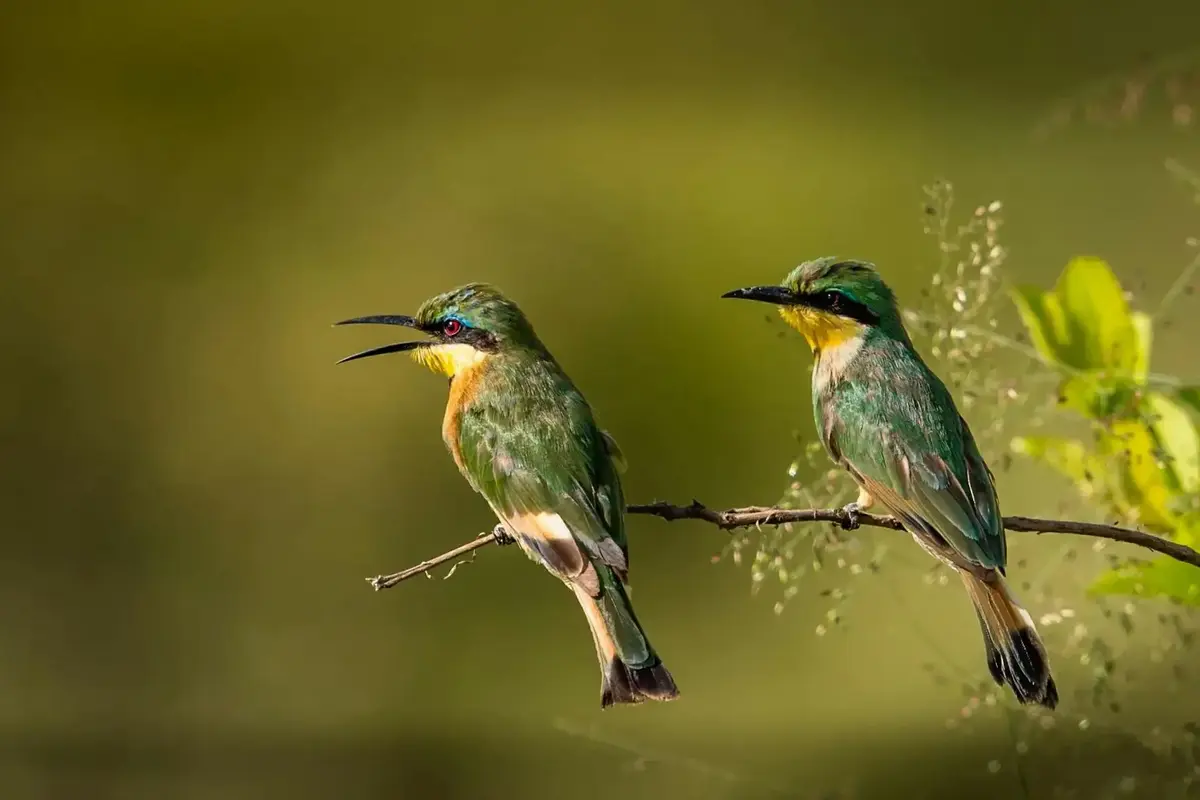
{"x":524,"y":437}
{"x":886,"y":418}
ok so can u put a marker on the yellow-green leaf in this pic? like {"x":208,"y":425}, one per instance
{"x":1067,"y":456}
{"x":1177,"y":439}
{"x":1098,"y":396}
{"x":1161,"y":577}
{"x":1084,"y":323}
{"x":1142,"y":488}
{"x":1043,"y":318}
{"x":1143,"y":329}
{"x":1187,"y":530}
{"x":1097,"y":315}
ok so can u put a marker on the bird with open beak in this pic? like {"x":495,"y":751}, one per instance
{"x":524,"y":437}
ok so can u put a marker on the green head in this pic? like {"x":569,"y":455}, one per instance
{"x":830,"y":300}
{"x":465,"y":326}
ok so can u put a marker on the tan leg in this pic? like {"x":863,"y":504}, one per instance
{"x":851,"y":511}
{"x":864,"y":500}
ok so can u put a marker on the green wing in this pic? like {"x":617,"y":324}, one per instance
{"x":548,"y":472}
{"x":906,"y":444}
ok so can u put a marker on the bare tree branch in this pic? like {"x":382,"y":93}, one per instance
{"x":388,"y":581}
{"x":755,"y":516}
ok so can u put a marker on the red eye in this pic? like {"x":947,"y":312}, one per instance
{"x":451,"y":327}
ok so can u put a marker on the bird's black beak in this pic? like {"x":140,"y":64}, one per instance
{"x":775,"y":295}
{"x":385,"y":319}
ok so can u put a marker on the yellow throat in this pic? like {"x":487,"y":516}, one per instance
{"x":822,"y":330}
{"x":449,"y":359}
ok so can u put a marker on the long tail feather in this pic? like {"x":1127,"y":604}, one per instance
{"x":1015,"y":653}
{"x":630,"y":669}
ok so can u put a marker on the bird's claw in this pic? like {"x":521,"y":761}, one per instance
{"x":850,"y":520}
{"x":502,"y":536}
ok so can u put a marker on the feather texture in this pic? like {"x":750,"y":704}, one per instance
{"x":892,"y":423}
{"x":525,"y":438}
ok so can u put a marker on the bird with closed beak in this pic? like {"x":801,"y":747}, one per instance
{"x":887,"y":419}
{"x":523,"y":436}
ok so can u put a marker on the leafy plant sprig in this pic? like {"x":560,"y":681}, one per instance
{"x":1142,"y":464}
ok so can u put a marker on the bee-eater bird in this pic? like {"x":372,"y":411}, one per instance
{"x":885,"y":417}
{"x":524,"y":437}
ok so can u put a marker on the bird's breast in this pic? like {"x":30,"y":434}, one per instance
{"x":464,"y":386}
{"x":833,"y":360}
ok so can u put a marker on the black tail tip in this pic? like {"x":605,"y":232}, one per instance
{"x":1023,"y":667}
{"x":1050,"y":697}
{"x":624,"y":684}
{"x":1046,"y":695}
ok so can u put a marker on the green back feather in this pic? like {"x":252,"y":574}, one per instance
{"x":530,"y":444}
{"x":893,"y":422}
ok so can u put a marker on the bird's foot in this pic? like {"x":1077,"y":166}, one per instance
{"x":850,"y":521}
{"x":501,"y":535}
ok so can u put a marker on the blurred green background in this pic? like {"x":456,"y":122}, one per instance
{"x":192,"y":191}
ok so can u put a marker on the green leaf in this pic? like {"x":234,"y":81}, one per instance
{"x":1097,"y":314}
{"x":1187,"y":530}
{"x":1143,"y":329}
{"x":1176,"y":438}
{"x":1098,"y":396}
{"x":1084,"y":323}
{"x":1044,"y":320}
{"x":1141,"y":487}
{"x":1189,"y":396}
{"x":1160,"y":577}
{"x":1067,"y":456}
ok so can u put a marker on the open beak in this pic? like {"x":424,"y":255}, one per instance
{"x":384,"y":319}
{"x":775,"y":295}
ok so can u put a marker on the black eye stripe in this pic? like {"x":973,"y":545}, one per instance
{"x":836,"y":302}
{"x":465,"y":334}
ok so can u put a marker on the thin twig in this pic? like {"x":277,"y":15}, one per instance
{"x":758,"y":515}
{"x":388,"y":581}
{"x":1176,"y":288}
{"x":754,"y":516}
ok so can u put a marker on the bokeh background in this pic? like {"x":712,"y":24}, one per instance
{"x":190,"y":192}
